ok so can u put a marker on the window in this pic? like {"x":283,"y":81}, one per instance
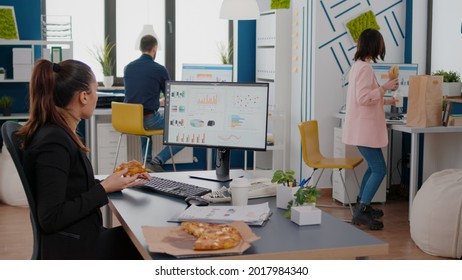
{"x":131,"y":16}
{"x":198,"y":30}
{"x":199,"y":33}
{"x":87,"y":27}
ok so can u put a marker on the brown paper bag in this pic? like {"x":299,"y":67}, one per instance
{"x":424,"y":107}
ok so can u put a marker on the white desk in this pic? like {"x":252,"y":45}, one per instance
{"x":414,"y":167}
{"x":280,"y":237}
{"x":21,"y":116}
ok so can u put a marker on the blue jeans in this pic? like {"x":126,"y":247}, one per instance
{"x":376,"y":171}
{"x":156,"y":122}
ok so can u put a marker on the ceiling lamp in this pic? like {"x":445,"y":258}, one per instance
{"x":239,"y":9}
{"x":148,"y":29}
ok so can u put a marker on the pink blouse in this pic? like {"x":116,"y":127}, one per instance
{"x":365,"y":117}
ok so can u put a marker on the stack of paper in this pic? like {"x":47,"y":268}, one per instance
{"x":256,"y":214}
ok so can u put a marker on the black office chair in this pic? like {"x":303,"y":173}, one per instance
{"x":12,"y":142}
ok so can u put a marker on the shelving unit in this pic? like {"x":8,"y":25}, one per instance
{"x":274,"y":48}
{"x":67,"y":48}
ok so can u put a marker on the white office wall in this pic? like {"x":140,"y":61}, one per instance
{"x":439,"y":149}
{"x":419,"y":34}
{"x":447,"y":36}
{"x":330,"y":54}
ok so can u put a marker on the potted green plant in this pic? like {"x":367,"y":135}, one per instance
{"x":2,"y":73}
{"x":452,"y":85}
{"x":284,"y":178}
{"x":103,"y":56}
{"x":305,"y":195}
{"x":301,"y":210}
{"x":226,"y":53}
{"x":5,"y":103}
{"x":287,"y":187}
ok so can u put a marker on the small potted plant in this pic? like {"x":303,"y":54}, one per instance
{"x":301,"y":209}
{"x":284,"y":178}
{"x":306,"y":195}
{"x":5,"y":104}
{"x":452,"y":85}
{"x":103,"y":56}
{"x":226,"y":53}
{"x":287,"y":187}
{"x":2,"y":73}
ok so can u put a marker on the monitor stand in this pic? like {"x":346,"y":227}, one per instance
{"x":222,"y":172}
{"x":394,"y":112}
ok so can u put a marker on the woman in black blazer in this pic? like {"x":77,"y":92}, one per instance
{"x":61,"y":176}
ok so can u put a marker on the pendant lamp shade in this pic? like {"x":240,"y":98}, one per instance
{"x":148,"y":29}
{"x":239,"y":9}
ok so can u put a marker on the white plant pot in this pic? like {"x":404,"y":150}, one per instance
{"x":284,"y":194}
{"x":108,"y":81}
{"x":2,"y":76}
{"x":305,"y":215}
{"x":452,"y":89}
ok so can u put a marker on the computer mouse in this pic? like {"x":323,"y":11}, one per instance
{"x":196,"y":200}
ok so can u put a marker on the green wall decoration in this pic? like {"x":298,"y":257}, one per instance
{"x":280,"y":4}
{"x":360,"y":23}
{"x":8,"y":27}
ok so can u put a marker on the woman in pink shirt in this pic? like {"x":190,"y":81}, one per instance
{"x":365,"y":125}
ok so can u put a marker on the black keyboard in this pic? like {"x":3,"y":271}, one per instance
{"x":174,"y":188}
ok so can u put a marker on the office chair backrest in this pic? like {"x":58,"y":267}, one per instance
{"x":310,"y":142}
{"x":128,"y":118}
{"x":12,"y":142}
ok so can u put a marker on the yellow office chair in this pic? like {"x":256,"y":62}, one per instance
{"x":314,"y":159}
{"x":127,"y":118}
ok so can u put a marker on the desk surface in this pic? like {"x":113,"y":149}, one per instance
{"x":435,"y":129}
{"x":280,"y":237}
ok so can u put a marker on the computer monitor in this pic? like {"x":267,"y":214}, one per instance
{"x":207,"y":72}
{"x":405,"y":71}
{"x":221,"y":115}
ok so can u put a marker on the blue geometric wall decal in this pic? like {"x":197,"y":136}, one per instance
{"x":340,"y":46}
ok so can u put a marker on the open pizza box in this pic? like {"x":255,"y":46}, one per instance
{"x":176,"y":242}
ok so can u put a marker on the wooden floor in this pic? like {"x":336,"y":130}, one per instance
{"x":16,"y":235}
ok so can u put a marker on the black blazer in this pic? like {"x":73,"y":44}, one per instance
{"x":67,"y":194}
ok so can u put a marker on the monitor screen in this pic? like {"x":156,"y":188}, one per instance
{"x":207,"y":72}
{"x":222,"y":115}
{"x":405,"y":70}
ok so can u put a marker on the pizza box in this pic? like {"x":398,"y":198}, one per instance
{"x":176,"y":242}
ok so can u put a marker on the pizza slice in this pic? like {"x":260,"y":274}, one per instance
{"x":212,"y":236}
{"x":134,"y":167}
{"x":216,"y":238}
{"x":194,"y":228}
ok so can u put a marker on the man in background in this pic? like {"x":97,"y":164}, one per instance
{"x":144,"y":81}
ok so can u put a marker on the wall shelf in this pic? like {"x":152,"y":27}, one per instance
{"x":273,"y":48}
{"x":67,"y":48}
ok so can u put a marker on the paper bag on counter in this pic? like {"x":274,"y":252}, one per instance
{"x":424,"y":107}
